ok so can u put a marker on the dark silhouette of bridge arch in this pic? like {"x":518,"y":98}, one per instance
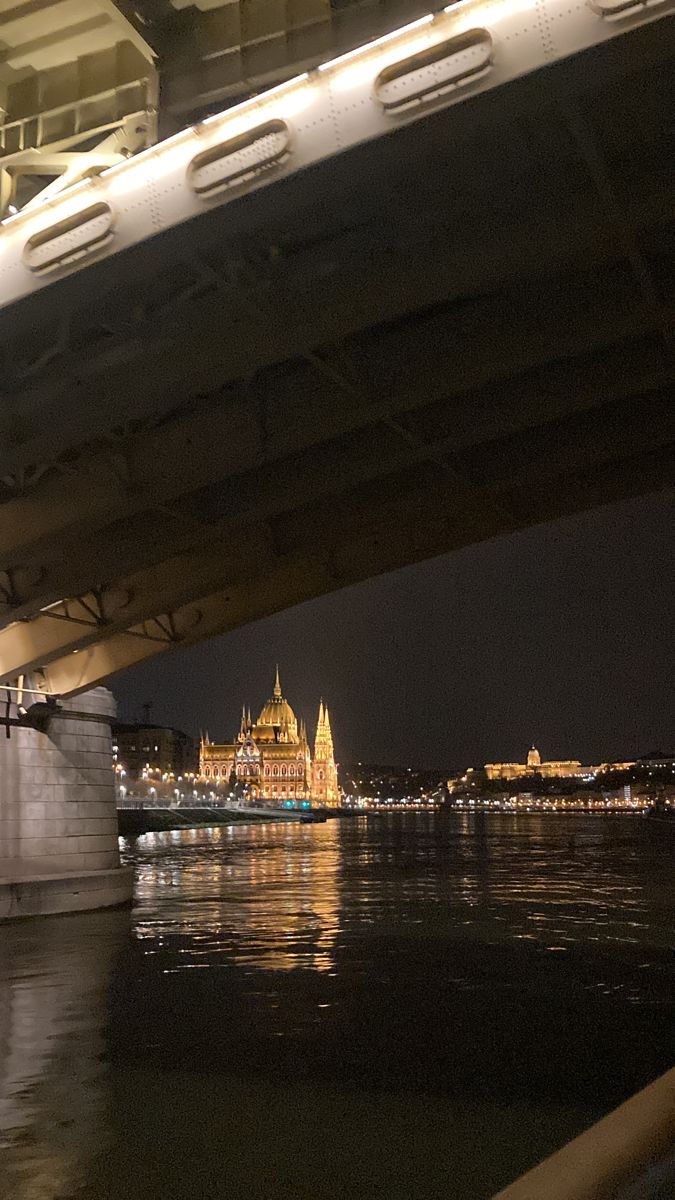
{"x":454,"y":331}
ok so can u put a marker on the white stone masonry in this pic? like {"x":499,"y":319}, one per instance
{"x":58,"y":815}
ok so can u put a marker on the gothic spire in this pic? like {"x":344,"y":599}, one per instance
{"x":277,"y":685}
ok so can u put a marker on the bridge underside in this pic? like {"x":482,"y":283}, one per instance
{"x":459,"y":330}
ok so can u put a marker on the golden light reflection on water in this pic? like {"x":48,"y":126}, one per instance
{"x":363,"y":958}
{"x":267,"y":895}
{"x":283,"y":897}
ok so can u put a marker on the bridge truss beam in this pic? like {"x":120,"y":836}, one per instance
{"x":152,"y":467}
{"x":488,"y":489}
{"x":434,"y":63}
{"x":393,"y":535}
{"x":370,"y":438}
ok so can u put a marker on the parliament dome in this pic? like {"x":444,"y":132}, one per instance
{"x":276,"y":714}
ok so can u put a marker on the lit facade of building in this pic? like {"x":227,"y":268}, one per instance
{"x":534,"y":767}
{"x":159,"y":748}
{"x":324,"y":771}
{"x":555,"y":769}
{"x":271,"y":758}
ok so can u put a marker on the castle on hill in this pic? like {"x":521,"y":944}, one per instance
{"x":272,"y":757}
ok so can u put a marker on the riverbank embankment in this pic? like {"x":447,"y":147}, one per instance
{"x":134,"y":821}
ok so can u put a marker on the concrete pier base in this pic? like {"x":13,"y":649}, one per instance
{"x":58,"y":819}
{"x":31,"y":894}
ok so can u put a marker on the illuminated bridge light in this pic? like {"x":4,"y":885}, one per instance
{"x":286,"y":100}
{"x":69,"y":238}
{"x":616,"y":10}
{"x":240,"y":159}
{"x":435,"y":70}
{"x":359,"y":68}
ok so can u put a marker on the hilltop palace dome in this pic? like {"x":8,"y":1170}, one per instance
{"x":533,"y":757}
{"x":271,"y":758}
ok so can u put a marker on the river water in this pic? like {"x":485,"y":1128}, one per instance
{"x":404,"y":1006}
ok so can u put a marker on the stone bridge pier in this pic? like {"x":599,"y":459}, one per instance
{"x":58,"y":819}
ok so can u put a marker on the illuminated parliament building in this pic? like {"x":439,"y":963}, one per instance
{"x":272,"y":758}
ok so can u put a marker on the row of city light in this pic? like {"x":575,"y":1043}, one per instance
{"x":525,"y":801}
{"x":558,"y":803}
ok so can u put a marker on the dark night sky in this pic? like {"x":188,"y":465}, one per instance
{"x":562,"y":635}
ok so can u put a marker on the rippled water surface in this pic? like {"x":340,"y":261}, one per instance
{"x":404,"y":1006}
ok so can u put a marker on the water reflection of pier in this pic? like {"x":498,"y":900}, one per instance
{"x":54,"y":979}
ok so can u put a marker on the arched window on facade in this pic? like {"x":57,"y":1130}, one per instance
{"x":291,"y":771}
{"x":207,"y":772}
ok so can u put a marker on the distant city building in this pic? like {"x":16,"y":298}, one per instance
{"x":656,"y":760}
{"x":158,"y":748}
{"x":272,"y":759}
{"x":534,"y":768}
{"x":567,"y":785}
{"x":556,"y":769}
